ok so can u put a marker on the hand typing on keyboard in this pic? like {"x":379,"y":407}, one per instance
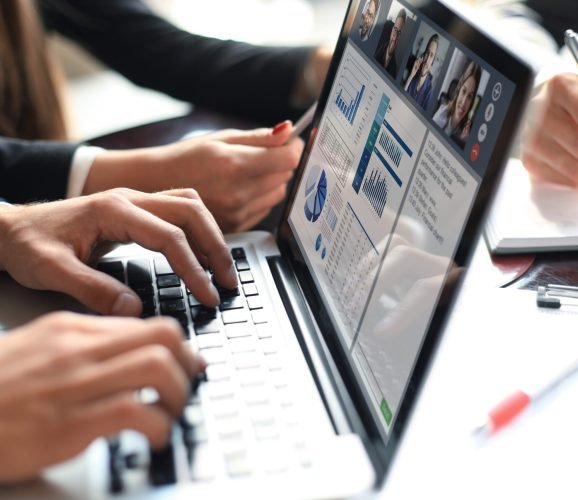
{"x":67,"y":379}
{"x":48,"y":246}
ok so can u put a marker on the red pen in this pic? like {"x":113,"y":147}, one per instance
{"x":513,"y":405}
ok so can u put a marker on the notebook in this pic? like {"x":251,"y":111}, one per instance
{"x":316,"y":359}
{"x":543,"y":218}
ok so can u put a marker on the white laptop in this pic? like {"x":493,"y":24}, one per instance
{"x":315,"y":361}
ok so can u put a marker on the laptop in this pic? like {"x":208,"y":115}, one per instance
{"x":316,"y":359}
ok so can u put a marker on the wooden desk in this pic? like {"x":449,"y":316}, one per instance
{"x":525,"y":271}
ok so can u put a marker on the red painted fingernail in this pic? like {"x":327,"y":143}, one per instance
{"x":280,"y":127}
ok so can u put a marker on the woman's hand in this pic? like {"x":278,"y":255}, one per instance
{"x":240,"y":175}
{"x":550,"y":146}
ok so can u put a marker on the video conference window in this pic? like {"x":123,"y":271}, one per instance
{"x":369,"y":15}
{"x":395,"y":38}
{"x":424,"y":65}
{"x":461,"y":93}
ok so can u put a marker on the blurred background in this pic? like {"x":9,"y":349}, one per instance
{"x":287,"y":22}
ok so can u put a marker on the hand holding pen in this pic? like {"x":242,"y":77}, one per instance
{"x":303,"y":122}
{"x":549,"y":150}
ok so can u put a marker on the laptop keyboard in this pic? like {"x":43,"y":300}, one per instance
{"x":243,"y":418}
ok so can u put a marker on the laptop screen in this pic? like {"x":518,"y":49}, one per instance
{"x":412,"y":128}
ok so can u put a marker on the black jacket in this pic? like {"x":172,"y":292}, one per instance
{"x":232,"y":77}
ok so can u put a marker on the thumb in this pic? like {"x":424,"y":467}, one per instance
{"x":96,"y":290}
{"x":263,"y":137}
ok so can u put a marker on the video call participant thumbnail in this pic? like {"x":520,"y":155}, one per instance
{"x":368,"y":17}
{"x":455,"y":116}
{"x":419,"y":83}
{"x":385,"y":53}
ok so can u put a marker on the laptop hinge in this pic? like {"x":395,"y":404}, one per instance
{"x":329,"y":382}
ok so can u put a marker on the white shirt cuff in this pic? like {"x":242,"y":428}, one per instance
{"x":81,"y":162}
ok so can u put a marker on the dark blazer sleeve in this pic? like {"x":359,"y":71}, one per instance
{"x":34,"y":170}
{"x":252,"y":81}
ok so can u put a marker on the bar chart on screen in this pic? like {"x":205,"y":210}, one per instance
{"x":353,"y":95}
{"x":388,"y":157}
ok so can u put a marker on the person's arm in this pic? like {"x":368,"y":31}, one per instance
{"x":257,"y":82}
{"x":34,"y":170}
{"x":550,"y":143}
{"x":240,"y":175}
{"x":68,"y":379}
{"x":48,"y":246}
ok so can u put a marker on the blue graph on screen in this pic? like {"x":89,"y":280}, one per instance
{"x":350,"y":91}
{"x":315,"y":193}
{"x":349,"y":109}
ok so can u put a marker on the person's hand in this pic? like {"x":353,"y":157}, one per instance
{"x":240,"y":175}
{"x":47,"y":246}
{"x":465,"y":133}
{"x":68,"y":379}
{"x":414,"y":70}
{"x":550,"y":146}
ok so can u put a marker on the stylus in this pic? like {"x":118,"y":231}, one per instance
{"x":571,"y":41}
{"x":513,"y":405}
{"x":303,"y":122}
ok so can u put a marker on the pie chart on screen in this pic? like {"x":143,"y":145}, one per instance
{"x":315,"y":193}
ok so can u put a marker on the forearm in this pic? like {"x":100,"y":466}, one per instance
{"x":253,"y":81}
{"x":139,"y":169}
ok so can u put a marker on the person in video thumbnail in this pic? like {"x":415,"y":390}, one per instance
{"x":455,"y":117}
{"x":368,"y":17}
{"x":385,"y":53}
{"x":419,"y":83}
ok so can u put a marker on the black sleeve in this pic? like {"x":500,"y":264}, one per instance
{"x":34,"y":170}
{"x":556,"y":16}
{"x":251,"y":81}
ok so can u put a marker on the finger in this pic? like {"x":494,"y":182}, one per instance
{"x":265,"y":203}
{"x":125,"y":221}
{"x":560,"y":127}
{"x":148,"y":366}
{"x":563,"y":90}
{"x":258,"y":161}
{"x":251,"y":221}
{"x":184,"y":209}
{"x":542,"y":171}
{"x":97,"y":291}
{"x":545,"y":152}
{"x":107,"y":337}
{"x":264,"y":137}
{"x":111,"y":415}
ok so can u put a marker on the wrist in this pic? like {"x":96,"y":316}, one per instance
{"x":5,"y":225}
{"x":134,"y":169}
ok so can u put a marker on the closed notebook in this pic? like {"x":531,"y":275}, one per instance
{"x":529,"y":217}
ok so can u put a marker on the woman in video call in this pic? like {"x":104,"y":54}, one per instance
{"x":419,"y":83}
{"x":454,"y":116}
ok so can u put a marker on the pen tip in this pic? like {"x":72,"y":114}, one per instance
{"x":480,"y":431}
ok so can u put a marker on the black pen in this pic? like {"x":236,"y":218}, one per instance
{"x":571,"y":41}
